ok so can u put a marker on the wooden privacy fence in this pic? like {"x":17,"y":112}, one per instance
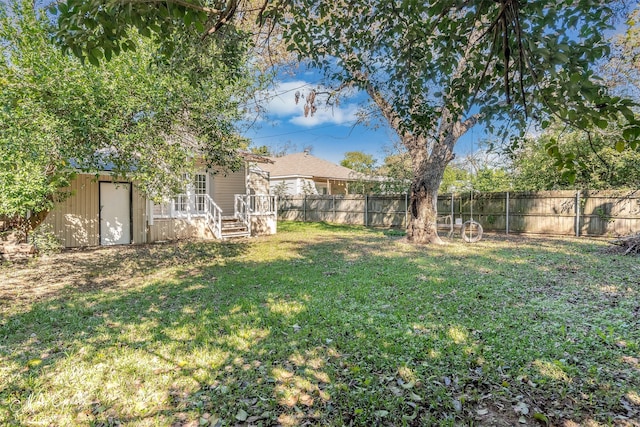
{"x":580,"y":213}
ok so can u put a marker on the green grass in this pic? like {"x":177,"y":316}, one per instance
{"x":323,"y":325}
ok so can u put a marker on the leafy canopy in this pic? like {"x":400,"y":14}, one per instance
{"x":147,"y":115}
{"x":601,"y":165}
{"x":508,"y":61}
{"x":359,"y":162}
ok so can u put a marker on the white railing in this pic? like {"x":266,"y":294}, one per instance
{"x":202,"y":205}
{"x":241,"y":211}
{"x":262,"y":204}
{"x":213,"y":214}
{"x":181,"y":206}
{"x":256,"y":204}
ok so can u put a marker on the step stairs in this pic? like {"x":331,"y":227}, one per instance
{"x":232,"y":227}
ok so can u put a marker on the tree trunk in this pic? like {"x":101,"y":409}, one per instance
{"x":22,"y":227}
{"x":423,"y":207}
{"x":429,"y":162}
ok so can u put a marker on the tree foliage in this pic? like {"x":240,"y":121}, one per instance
{"x":522,"y":60}
{"x":602,"y":157}
{"x":359,"y":162}
{"x":435,"y":69}
{"x":97,"y":30}
{"x":146,"y":116}
{"x":261,"y":150}
{"x":602,"y":166}
{"x":622,"y":70}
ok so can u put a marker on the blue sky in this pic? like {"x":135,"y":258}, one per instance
{"x":332,"y":131}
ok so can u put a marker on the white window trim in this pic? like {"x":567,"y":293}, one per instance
{"x":168,"y":208}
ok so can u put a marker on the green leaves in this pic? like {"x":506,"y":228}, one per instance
{"x":84,"y":25}
{"x":564,"y":158}
{"x":146,"y":116}
{"x":425,"y":57}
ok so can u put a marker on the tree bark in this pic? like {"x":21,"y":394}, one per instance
{"x":429,"y":162}
{"x":428,"y":170}
{"x":423,"y":209}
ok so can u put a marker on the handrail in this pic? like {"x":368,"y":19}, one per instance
{"x":262,"y":204}
{"x":241,"y":210}
{"x":213,"y":214}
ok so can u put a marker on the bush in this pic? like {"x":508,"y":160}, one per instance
{"x":44,"y":239}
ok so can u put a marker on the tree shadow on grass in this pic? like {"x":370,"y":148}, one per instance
{"x":94,"y":269}
{"x":345,"y":328}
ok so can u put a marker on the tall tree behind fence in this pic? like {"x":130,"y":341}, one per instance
{"x":582,"y":213}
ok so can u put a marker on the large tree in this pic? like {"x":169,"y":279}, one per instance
{"x":147,"y":115}
{"x":434,"y":69}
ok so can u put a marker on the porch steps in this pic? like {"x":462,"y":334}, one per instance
{"x":232,"y":227}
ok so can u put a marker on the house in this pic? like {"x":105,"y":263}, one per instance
{"x":101,"y":211}
{"x":302,"y":173}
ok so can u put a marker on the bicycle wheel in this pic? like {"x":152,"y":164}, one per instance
{"x":471,"y":231}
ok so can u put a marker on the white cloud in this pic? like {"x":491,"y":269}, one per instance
{"x":280,"y":103}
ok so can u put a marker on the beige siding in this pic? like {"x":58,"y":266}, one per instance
{"x":225,"y":187}
{"x":75,"y":221}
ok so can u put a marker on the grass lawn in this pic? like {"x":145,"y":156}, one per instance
{"x":323,"y":325}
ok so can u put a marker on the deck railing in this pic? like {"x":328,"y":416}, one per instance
{"x":202,"y":205}
{"x":262,"y":204}
{"x":241,"y":210}
{"x":213,"y":213}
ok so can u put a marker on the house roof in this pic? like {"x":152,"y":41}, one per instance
{"x":101,"y":163}
{"x":306,"y":165}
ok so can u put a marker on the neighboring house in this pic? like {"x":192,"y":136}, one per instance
{"x":302,"y":173}
{"x":101,"y":211}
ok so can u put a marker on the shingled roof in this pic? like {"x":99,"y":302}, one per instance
{"x":304,"y":164}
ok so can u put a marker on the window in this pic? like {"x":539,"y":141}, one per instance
{"x":191,"y":202}
{"x":181,"y":203}
{"x":162,"y":210}
{"x":322,"y":188}
{"x":200,"y":189}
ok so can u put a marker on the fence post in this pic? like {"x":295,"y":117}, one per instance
{"x":507,"y":214}
{"x":366,"y":210}
{"x":334,"y":208}
{"x":453,"y":202}
{"x":406,"y":210}
{"x":304,"y":208}
{"x":578,"y":213}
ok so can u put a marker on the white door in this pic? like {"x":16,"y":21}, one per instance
{"x":115,"y":213}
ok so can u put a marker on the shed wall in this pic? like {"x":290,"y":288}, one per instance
{"x":75,"y":221}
